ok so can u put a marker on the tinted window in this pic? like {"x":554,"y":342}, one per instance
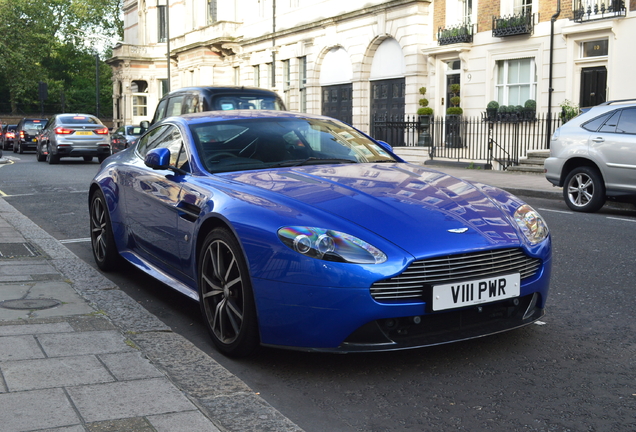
{"x":34,"y":124}
{"x":627,"y":122}
{"x":596,"y":123}
{"x":161,"y":110}
{"x":71,"y":119}
{"x":227,"y":103}
{"x":174,"y":106}
{"x":610,"y":123}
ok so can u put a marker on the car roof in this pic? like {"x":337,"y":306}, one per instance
{"x":220,"y":89}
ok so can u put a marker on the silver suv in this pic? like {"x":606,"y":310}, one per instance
{"x":593,"y":156}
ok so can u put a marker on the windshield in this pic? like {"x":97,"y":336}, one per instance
{"x":274,"y":142}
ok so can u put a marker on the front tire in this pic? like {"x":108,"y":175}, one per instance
{"x":584,"y":190}
{"x":226,"y":297}
{"x":102,"y":237}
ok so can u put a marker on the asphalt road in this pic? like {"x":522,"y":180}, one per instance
{"x":573,"y":371}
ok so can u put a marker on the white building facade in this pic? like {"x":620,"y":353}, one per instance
{"x":358,"y":58}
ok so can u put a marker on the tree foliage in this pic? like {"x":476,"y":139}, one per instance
{"x":55,"y":41}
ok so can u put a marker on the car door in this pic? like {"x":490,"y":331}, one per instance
{"x":151,"y":199}
{"x":615,"y":145}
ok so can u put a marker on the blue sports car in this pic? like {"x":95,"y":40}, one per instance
{"x":298,"y":231}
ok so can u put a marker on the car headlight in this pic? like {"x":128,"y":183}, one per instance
{"x":531,"y":224}
{"x":330,"y":245}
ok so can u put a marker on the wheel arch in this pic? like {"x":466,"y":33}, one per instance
{"x":575,"y":163}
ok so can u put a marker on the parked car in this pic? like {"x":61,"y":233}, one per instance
{"x":26,"y":134}
{"x":299,"y":231}
{"x":199,"y":99}
{"x":8,"y":136}
{"x":125,"y":136}
{"x":73,"y":135}
{"x":593,"y":156}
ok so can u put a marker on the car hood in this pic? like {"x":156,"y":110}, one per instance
{"x":416,"y":208}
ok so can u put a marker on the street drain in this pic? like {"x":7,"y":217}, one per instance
{"x":30,"y":304}
{"x":18,"y":250}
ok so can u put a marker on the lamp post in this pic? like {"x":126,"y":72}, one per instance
{"x":165,"y":4}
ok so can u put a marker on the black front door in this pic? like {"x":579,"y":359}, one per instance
{"x":593,"y":86}
{"x":387,"y":104}
{"x":337,"y":102}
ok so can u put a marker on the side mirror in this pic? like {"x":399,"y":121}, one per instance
{"x":385,"y":145}
{"x":158,"y":159}
{"x":145,"y":124}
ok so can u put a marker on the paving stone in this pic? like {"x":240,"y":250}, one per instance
{"x":78,"y":428}
{"x":19,"y":348}
{"x":30,"y":329}
{"x":100,"y":402}
{"x":137,"y":424}
{"x":72,"y":344}
{"x":129,"y":366}
{"x":54,"y":372}
{"x":182,"y":422}
{"x":36,"y":410}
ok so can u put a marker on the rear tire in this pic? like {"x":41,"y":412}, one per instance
{"x":20,"y":149}
{"x":226,"y":297}
{"x":102,"y":238}
{"x":584,"y":190}
{"x":51,"y":158}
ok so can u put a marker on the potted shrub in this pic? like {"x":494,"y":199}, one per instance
{"x":503,"y":113}
{"x":424,"y":115}
{"x":491,"y":110}
{"x":530,"y":109}
{"x":569,"y":110}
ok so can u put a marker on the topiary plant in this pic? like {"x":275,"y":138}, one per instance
{"x":424,"y":110}
{"x":531,"y":104}
{"x":454,"y":111}
{"x":492,"y":105}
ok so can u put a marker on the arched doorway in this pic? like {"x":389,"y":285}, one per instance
{"x":336,"y":75}
{"x":388,"y":86}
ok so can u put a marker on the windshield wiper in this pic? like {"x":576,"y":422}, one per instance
{"x":312,"y":161}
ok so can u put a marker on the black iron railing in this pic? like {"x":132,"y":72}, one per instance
{"x":513,"y":25}
{"x":467,"y":139}
{"x":592,"y":10}
{"x":462,"y":33}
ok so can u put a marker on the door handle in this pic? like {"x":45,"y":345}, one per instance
{"x":598,"y":139}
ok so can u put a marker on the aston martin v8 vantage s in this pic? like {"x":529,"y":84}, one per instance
{"x":298,"y":231}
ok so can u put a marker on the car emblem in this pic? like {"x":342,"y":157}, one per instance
{"x":458,"y":230}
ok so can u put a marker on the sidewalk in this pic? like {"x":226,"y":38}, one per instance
{"x":77,"y":354}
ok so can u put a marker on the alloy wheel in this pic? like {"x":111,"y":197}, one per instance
{"x":222,"y":292}
{"x":580,"y":189}
{"x":99,"y":227}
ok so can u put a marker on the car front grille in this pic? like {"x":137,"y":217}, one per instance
{"x":411,"y":283}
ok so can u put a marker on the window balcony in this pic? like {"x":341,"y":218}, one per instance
{"x":592,"y":10}
{"x":462,"y":33}
{"x":513,"y":25}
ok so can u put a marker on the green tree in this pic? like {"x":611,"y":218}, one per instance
{"x":54,"y":41}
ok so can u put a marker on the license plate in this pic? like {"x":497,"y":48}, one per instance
{"x":83,"y":133}
{"x":34,"y":140}
{"x":456,"y":295}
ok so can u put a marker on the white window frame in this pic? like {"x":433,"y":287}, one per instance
{"x":502,"y":89}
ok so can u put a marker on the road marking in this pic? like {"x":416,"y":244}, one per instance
{"x":555,"y":211}
{"x":621,"y":219}
{"x":4,"y":195}
{"x":79,"y":240}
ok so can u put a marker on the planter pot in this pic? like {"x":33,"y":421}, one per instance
{"x":491,"y":114}
{"x":424,"y":138}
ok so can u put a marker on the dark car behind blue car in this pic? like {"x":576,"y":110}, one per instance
{"x":298,"y":231}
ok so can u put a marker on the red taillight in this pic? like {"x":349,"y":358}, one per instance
{"x":102,"y":131}
{"x":63,"y":131}
{"x":21,"y":134}
{"x":10,"y":135}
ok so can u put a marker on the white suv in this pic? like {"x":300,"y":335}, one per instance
{"x":593,"y":156}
